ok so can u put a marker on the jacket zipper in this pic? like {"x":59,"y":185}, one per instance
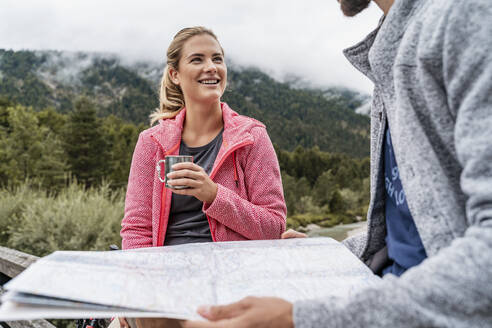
{"x":214,"y":172}
{"x":160,"y":241}
{"x":212,"y":175}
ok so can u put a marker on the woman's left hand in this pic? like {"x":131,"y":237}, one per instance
{"x":193,"y":176}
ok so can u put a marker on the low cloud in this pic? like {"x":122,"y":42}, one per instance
{"x":283,"y":38}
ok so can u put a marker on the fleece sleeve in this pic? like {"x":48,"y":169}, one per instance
{"x":136,"y":225}
{"x":452,"y":288}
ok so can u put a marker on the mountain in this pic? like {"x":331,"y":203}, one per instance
{"x":295,"y":115}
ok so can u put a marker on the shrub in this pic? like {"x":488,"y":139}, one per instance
{"x":12,"y":203}
{"x":76,"y":219}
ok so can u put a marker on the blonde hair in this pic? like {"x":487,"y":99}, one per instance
{"x":171,"y":98}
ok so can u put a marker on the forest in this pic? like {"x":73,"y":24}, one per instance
{"x":322,"y":117}
{"x":69,"y":123}
{"x":65,"y":175}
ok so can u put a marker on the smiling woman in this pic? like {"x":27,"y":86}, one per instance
{"x":181,"y":51}
{"x":232,"y":190}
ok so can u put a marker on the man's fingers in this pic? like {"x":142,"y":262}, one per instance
{"x":226,"y":323}
{"x":220,"y":312}
{"x":293,"y":234}
{"x":209,"y":324}
{"x":197,"y":324}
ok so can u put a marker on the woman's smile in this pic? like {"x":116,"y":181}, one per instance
{"x":202,"y":62}
{"x":209,"y":82}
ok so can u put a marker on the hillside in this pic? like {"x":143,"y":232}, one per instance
{"x":295,"y":116}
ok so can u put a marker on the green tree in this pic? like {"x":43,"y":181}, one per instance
{"x":337,"y":204}
{"x":289,"y":184}
{"x":85,"y":145}
{"x":121,"y":138}
{"x":324,"y":187}
{"x":301,"y":188}
{"x":347,"y":175}
{"x":56,"y":122}
{"x":52,"y":169}
{"x":351,"y":200}
{"x":28,"y":150}
{"x":4,"y":115}
{"x":308,"y":206}
{"x":294,"y":190}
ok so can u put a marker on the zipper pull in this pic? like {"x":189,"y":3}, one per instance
{"x":235,"y":169}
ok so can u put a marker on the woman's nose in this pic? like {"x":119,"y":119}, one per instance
{"x":210,"y":66}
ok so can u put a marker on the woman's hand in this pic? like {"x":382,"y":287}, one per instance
{"x":193,"y":176}
{"x":293,"y":234}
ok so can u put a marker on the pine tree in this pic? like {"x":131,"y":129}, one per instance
{"x":85,"y":144}
{"x":324,"y":187}
{"x":29,"y":151}
{"x":4,"y":105}
{"x":337,"y":204}
{"x":121,"y":138}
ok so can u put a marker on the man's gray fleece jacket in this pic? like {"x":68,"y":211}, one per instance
{"x":431,"y":63}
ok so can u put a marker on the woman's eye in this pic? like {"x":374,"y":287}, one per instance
{"x":196,"y":59}
{"x":218,"y":59}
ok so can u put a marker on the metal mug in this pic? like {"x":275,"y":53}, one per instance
{"x":169,"y":161}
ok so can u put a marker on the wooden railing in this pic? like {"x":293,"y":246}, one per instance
{"x":12,"y":263}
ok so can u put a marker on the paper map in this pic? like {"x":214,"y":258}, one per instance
{"x":173,"y":281}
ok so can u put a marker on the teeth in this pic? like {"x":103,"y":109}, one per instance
{"x":209,"y":81}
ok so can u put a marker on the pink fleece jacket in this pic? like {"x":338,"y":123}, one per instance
{"x":249,"y":204}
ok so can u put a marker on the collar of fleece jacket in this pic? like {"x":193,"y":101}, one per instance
{"x":237,"y":129}
{"x":385,"y":38}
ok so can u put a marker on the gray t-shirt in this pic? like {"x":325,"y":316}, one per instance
{"x":187,"y":222}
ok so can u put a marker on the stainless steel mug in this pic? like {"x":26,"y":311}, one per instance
{"x":169,"y":161}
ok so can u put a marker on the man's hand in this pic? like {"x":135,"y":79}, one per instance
{"x":251,"y":312}
{"x":293,"y":234}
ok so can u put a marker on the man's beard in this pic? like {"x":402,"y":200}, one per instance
{"x":353,"y":7}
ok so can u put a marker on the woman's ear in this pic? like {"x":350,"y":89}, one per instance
{"x":173,"y":74}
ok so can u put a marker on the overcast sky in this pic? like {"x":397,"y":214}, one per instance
{"x":281,"y":37}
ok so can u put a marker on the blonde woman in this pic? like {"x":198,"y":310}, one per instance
{"x":235,"y":190}
{"x":234,"y":185}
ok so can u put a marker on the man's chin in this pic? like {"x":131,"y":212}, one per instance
{"x":351,"y":8}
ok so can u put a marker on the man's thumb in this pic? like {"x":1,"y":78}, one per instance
{"x":219,"y":312}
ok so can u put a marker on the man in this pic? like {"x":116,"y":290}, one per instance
{"x":430,"y":216}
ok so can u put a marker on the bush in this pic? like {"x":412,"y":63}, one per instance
{"x":76,"y":219}
{"x":325,"y":220}
{"x":306,"y":205}
{"x":298,"y":220}
{"x":331,"y":220}
{"x":12,"y":204}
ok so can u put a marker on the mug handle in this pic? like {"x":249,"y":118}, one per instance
{"x":158,"y":168}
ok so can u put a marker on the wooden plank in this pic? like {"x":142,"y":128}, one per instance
{"x":13,"y":262}
{"x":27,"y":323}
{"x":30,"y":324}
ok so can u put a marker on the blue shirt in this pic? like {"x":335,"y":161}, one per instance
{"x":405,"y":247}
